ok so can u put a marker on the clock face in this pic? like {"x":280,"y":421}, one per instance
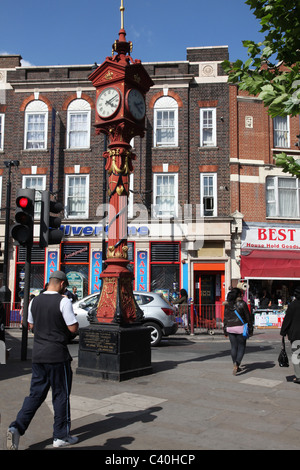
{"x":108,"y":102}
{"x":136,"y":104}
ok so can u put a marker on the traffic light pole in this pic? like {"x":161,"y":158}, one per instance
{"x":26,"y":303}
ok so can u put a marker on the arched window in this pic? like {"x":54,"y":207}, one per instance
{"x":36,"y":125}
{"x":166,"y":122}
{"x":79,"y":124}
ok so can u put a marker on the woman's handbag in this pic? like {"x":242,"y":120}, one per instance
{"x":245,"y":329}
{"x":283,"y":359}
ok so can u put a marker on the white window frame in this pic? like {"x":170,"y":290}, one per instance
{"x":2,"y":121}
{"x":84,"y":215}
{"x":213,"y":142}
{"x":156,"y":210}
{"x":38,"y":196}
{"x":76,"y":108}
{"x":214,"y":194}
{"x":276,"y":130}
{"x":275,"y":201}
{"x":35,"y":108}
{"x":130,"y":197}
{"x":165,"y":104}
{"x":1,"y":182}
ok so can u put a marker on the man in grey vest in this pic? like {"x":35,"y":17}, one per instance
{"x":52,"y":320}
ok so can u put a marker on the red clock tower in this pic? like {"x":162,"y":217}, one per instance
{"x":121,"y":84}
{"x":116,"y":344}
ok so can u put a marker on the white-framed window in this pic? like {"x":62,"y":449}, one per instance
{"x":282,"y":197}
{"x":79,"y":124}
{"x":37,"y":182}
{"x":165,"y":198}
{"x":130,"y":197}
{"x":2,"y":117}
{"x":208,"y":194}
{"x":208,"y":127}
{"x":281,"y":130}
{"x":77,"y":196}
{"x":36,"y":125}
{"x":166,"y":122}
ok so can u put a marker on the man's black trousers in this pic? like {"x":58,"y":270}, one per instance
{"x":58,"y":376}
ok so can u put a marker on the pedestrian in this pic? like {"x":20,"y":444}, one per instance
{"x":51,"y":318}
{"x":233,"y":326}
{"x":291,"y":328}
{"x":2,"y":322}
{"x":75,"y":295}
{"x":182,"y":303}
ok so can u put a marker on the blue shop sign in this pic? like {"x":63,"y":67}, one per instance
{"x":96,"y":230}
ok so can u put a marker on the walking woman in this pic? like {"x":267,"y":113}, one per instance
{"x":233,"y":326}
{"x":182,"y":303}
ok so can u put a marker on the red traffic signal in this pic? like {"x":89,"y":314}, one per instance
{"x":22,"y":232}
{"x":23,"y":202}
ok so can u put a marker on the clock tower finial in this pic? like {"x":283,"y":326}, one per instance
{"x":121,"y":46}
{"x":122,"y":9}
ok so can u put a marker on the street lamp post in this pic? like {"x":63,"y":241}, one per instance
{"x":5,"y":294}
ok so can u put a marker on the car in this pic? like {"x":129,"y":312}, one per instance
{"x":159,"y":315}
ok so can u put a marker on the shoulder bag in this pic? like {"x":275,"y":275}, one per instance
{"x":283,"y":359}
{"x":246,"y":329}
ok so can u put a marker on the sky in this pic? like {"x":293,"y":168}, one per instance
{"x":73,"y":32}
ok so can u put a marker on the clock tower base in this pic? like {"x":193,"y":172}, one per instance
{"x":113,"y":352}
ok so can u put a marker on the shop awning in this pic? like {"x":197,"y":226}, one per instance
{"x":270,"y":264}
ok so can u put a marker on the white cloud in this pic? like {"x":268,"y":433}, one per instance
{"x":25,"y":63}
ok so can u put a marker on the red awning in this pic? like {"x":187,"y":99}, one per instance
{"x":271,"y":264}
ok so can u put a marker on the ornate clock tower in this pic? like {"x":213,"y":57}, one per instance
{"x":121,"y":85}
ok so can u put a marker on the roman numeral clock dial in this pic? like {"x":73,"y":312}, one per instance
{"x":108,"y":102}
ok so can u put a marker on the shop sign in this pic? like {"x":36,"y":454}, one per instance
{"x":96,"y":271}
{"x":271,"y":237}
{"x":52,"y":264}
{"x":142,"y":271}
{"x":96,"y":230}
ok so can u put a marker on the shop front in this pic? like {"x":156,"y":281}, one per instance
{"x":162,"y":258}
{"x":270,"y":263}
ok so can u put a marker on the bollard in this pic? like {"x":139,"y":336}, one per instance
{"x":192,"y":316}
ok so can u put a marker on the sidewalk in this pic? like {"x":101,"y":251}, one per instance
{"x":191,"y":401}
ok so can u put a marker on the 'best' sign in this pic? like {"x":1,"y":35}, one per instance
{"x":281,"y":238}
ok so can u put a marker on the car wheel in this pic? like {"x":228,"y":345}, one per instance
{"x":156,"y":333}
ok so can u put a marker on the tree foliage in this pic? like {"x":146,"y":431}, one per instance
{"x":273,"y":69}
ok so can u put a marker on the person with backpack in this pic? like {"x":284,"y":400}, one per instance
{"x":237,"y":314}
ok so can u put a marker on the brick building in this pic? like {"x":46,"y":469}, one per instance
{"x":179,"y":208}
{"x":264,"y":200}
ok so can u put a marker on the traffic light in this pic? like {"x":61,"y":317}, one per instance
{"x":22,"y":231}
{"x":50,"y":233}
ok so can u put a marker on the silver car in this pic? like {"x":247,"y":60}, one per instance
{"x":159,"y":315}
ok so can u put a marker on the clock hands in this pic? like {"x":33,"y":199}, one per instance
{"x":110,"y":101}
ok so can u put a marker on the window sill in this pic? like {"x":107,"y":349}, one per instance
{"x":285,"y":150}
{"x":208,"y":148}
{"x":166,"y":147}
{"x":277,"y":217}
{"x":34,"y":150}
{"x":88,"y":149}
